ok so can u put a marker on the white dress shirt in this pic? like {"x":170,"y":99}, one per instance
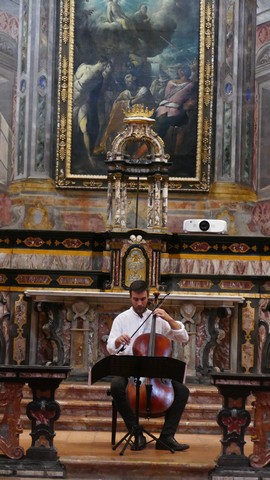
{"x":128,"y":321}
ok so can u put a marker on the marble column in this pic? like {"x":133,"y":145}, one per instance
{"x":150,"y":203}
{"x":157,"y":201}
{"x":110,"y":202}
{"x":165,"y":203}
{"x":123,"y":206}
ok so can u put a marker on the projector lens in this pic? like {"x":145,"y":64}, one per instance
{"x":204,"y":225}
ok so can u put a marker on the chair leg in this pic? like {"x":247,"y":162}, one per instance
{"x":114,"y":419}
{"x":114,"y":422}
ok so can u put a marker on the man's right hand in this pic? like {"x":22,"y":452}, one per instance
{"x":122,"y":340}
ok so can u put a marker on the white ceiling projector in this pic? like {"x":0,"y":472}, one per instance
{"x":197,"y":225}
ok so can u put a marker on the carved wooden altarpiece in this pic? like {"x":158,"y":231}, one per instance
{"x":234,"y":419}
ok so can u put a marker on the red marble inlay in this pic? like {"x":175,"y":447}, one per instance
{"x":33,"y":279}
{"x":195,"y":284}
{"x":239,"y":248}
{"x":200,"y":246}
{"x":234,"y":424}
{"x":42,"y":417}
{"x":236,"y":285}
{"x":72,"y":243}
{"x":76,"y":281}
{"x":33,"y":242}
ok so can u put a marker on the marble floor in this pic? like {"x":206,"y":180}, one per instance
{"x":90,"y":455}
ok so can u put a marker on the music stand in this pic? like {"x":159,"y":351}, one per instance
{"x":135,"y":366}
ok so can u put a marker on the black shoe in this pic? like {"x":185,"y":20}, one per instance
{"x":169,"y":443}
{"x":141,"y":442}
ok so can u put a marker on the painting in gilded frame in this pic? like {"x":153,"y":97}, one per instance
{"x":117,"y":53}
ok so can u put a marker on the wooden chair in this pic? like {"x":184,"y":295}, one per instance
{"x":114,"y":419}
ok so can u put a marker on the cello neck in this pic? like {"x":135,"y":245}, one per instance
{"x":152,"y":342}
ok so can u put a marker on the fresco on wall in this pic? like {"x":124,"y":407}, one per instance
{"x":9,"y":27}
{"x":122,"y":53}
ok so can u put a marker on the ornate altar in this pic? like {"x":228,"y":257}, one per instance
{"x":137,"y":162}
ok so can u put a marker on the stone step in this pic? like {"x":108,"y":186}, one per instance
{"x":103,"y":424}
{"x":85,"y":407}
{"x":104,"y":409}
{"x":93,"y":423}
{"x":198,"y":393}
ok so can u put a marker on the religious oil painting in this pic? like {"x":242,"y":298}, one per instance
{"x":114,"y":54}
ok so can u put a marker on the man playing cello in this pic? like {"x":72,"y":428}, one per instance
{"x":122,"y":338}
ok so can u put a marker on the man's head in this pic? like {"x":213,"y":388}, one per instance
{"x":130,"y":80}
{"x":143,"y":8}
{"x":108,"y":69}
{"x":184,"y":71}
{"x":139,"y":294}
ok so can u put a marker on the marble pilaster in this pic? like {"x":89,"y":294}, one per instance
{"x":35,"y":86}
{"x":235,"y":91}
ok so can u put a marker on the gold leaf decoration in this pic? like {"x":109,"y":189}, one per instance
{"x":138,"y":111}
{"x":66,"y":20}
{"x":208,"y":26}
{"x":62,"y":137}
{"x":64,"y":80}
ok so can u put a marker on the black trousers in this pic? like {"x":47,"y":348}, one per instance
{"x":172,"y":415}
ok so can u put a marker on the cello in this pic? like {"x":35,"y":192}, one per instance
{"x":156,"y":394}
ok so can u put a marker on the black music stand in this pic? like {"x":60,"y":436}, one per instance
{"x":135,"y":366}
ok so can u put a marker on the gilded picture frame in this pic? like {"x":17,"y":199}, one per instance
{"x":114,"y":53}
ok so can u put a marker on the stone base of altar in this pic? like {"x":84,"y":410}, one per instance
{"x":26,"y":468}
{"x":240,"y":474}
{"x":89,"y":455}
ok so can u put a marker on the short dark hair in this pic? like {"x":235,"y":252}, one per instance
{"x":186,"y":70}
{"x":138,"y":286}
